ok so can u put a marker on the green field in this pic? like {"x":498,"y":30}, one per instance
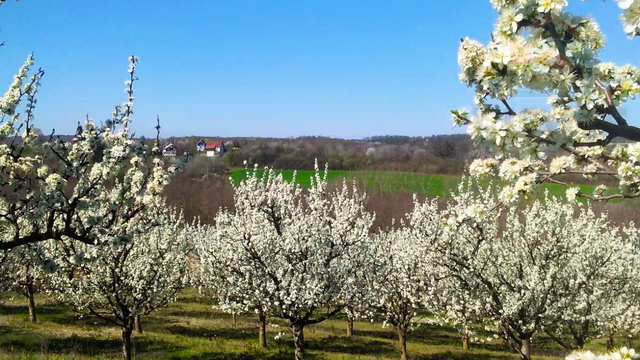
{"x":428,"y":185}
{"x":190,"y":329}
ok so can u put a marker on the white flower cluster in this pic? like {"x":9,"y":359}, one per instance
{"x":549,"y":267}
{"x":127,"y":277}
{"x":483,"y":167}
{"x":630,"y":16}
{"x":23,"y":269}
{"x":401,"y":273}
{"x":621,"y":354}
{"x":286,"y":251}
{"x":89,"y":208}
{"x":538,"y":46}
{"x":72,"y":189}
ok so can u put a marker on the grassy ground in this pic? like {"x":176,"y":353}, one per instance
{"x":428,"y":185}
{"x":191,"y":329}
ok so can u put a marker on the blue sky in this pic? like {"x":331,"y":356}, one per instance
{"x":281,"y":68}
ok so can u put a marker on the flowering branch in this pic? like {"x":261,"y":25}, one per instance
{"x":537,"y":46}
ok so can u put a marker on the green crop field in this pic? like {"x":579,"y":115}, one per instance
{"x":190,"y":329}
{"x":428,"y":185}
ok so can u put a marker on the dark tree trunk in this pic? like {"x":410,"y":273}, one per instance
{"x":402,"y":340}
{"x":298,"y":341}
{"x":32,"y":302}
{"x":610,"y":342}
{"x":126,"y":342}
{"x":465,"y":341}
{"x":262,"y":318}
{"x":234,"y":317}
{"x":525,"y":352}
{"x":137,"y":324}
{"x":629,"y":341}
{"x":349,"y":326}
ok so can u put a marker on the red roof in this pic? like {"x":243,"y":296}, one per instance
{"x":214,"y":145}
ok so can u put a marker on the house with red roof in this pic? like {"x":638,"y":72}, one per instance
{"x":215,"y":148}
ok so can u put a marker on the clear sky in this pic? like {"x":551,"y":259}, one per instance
{"x":281,"y":68}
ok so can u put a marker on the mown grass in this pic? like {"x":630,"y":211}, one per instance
{"x":427,"y":185}
{"x":190,"y":329}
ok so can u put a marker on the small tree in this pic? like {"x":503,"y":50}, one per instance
{"x":24,"y":270}
{"x":287,"y":251}
{"x":129,"y":277}
{"x":458,"y":307}
{"x":403,"y":274}
{"x":221,"y":268}
{"x":600,"y":284}
{"x":538,"y":46}
{"x":515,"y":268}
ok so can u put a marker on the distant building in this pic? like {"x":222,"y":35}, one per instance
{"x":169,"y":150}
{"x":200,"y":146}
{"x":215,"y":148}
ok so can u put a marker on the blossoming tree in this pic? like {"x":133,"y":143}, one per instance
{"x":128,"y":277}
{"x":220,"y":268}
{"x":403,"y":276}
{"x":600,"y":285}
{"x":516,"y":267}
{"x":24,"y":270}
{"x":457,"y":306}
{"x":287,"y":251}
{"x":537,"y":46}
{"x":58,"y":189}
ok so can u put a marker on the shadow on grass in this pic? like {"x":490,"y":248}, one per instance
{"x":424,"y":334}
{"x":430,"y":336}
{"x":47,"y":309}
{"x":201,"y":314}
{"x":239,"y":333}
{"x":353,"y":346}
{"x":197,"y":300}
{"x":55,"y":313}
{"x":464,"y":356}
{"x":4,"y":330}
{"x":434,"y":336}
{"x":76,"y":345}
{"x":280,"y":355}
{"x":381,"y":334}
{"x":73,"y":319}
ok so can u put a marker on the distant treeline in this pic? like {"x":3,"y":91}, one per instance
{"x":443,"y":154}
{"x":440,"y":154}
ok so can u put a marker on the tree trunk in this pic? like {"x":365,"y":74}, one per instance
{"x":262,"y":318}
{"x":32,"y":302}
{"x":610,"y":341}
{"x":629,"y":341}
{"x":465,"y":341}
{"x":349,"y":326}
{"x":126,"y":342}
{"x":137,"y":324}
{"x":402,"y":340}
{"x":298,"y":341}
{"x":525,"y":352}
{"x":234,"y":317}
